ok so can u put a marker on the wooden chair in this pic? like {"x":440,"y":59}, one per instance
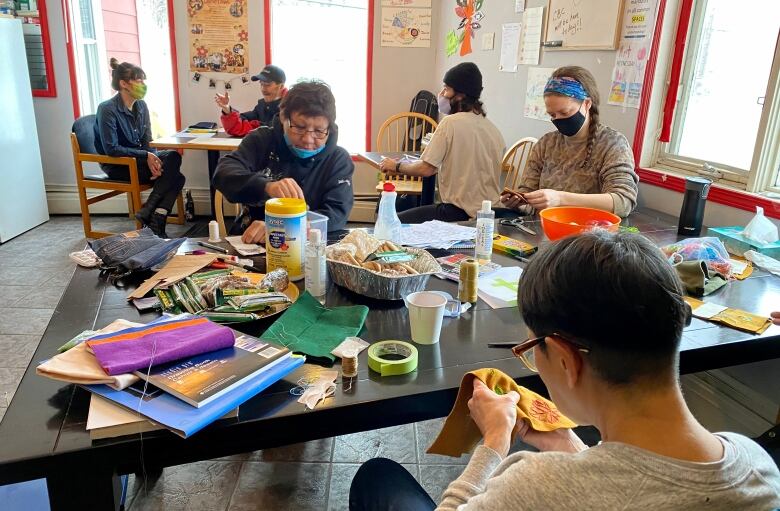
{"x":515,"y":160}
{"x":82,"y":141}
{"x":219,"y":201}
{"x":402,"y":132}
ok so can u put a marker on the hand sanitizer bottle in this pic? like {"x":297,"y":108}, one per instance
{"x":388,"y":226}
{"x":316,"y":270}
{"x":484,"y":243}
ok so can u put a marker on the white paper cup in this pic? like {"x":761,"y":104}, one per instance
{"x":426,"y":312}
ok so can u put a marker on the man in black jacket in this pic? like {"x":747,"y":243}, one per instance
{"x":296,"y":157}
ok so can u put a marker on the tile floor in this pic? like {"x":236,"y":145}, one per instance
{"x":314,"y":475}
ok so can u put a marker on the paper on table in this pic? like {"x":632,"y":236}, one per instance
{"x":188,"y":134}
{"x":510,"y":42}
{"x":436,"y":234}
{"x":499,"y":288}
{"x":179,"y":267}
{"x":708,"y":310}
{"x":531,"y":39}
{"x":245,"y":249}
{"x":738,"y":267}
{"x":226,"y":142}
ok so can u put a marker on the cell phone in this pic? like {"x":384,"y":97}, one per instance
{"x":509,"y":191}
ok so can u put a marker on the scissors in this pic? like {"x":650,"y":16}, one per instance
{"x":517,"y":223}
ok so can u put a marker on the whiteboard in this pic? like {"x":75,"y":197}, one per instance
{"x":583,"y":24}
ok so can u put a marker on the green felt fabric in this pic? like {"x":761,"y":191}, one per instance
{"x":310,"y":328}
{"x":698,"y":279}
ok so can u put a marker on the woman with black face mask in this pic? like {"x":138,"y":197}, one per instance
{"x":583,"y":163}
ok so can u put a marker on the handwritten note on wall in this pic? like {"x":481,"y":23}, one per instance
{"x":584,"y":25}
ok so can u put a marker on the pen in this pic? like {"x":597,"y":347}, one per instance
{"x":213,"y":247}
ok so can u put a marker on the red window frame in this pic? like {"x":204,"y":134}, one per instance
{"x":51,"y":90}
{"x":369,"y":57}
{"x":72,"y":61}
{"x":718,"y":194}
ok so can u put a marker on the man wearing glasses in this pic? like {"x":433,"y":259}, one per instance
{"x":271,"y":80}
{"x":295,"y":157}
{"x":605,"y":315}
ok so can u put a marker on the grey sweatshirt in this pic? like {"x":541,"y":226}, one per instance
{"x":613,"y":475}
{"x":555,"y":163}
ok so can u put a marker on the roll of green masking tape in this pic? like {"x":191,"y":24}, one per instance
{"x":390,"y":358}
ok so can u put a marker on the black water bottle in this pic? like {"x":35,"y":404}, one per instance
{"x":189,"y":206}
{"x":692,"y":212}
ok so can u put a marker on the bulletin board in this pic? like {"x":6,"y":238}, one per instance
{"x":583,"y":25}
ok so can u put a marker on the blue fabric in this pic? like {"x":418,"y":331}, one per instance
{"x":121,"y":132}
{"x":566,"y":86}
{"x":302,"y":153}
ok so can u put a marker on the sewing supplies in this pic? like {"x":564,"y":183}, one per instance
{"x":213,"y":247}
{"x":515,"y":193}
{"x":391,"y":358}
{"x":214,"y":231}
{"x":468,"y":281}
{"x":350,"y":344}
{"x":285,"y":235}
{"x":320,"y":389}
{"x":517,"y":223}
{"x":349,"y":364}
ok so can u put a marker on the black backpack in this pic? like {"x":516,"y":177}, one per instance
{"x":424,"y":102}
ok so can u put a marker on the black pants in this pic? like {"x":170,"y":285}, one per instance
{"x":166,"y":188}
{"x":443,"y":212}
{"x":384,"y":485}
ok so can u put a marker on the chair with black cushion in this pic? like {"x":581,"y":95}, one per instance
{"x":82,"y":141}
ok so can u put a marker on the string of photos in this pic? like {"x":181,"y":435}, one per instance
{"x":226,"y":84}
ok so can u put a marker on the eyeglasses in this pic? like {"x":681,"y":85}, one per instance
{"x":301,"y":131}
{"x":525,"y":352}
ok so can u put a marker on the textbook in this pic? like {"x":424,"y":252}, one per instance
{"x":200,"y":379}
{"x":185,"y":419}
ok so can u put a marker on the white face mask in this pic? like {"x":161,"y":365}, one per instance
{"x":444,"y":105}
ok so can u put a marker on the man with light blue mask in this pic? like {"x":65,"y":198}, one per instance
{"x":296,"y":157}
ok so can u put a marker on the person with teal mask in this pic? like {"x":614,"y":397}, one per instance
{"x":297,"y":157}
{"x":123,"y":128}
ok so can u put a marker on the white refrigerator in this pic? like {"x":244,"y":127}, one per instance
{"x":22,"y":193}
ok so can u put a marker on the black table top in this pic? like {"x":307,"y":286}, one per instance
{"x":44,"y":429}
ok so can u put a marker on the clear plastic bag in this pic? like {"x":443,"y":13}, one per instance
{"x":710,"y":250}
{"x":760,"y":228}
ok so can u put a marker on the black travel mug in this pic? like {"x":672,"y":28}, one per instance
{"x":692,"y":212}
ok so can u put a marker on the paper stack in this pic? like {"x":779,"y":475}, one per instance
{"x":436,"y":234}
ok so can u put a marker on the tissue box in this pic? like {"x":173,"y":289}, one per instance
{"x":737,"y":244}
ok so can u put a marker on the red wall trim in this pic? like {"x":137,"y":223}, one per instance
{"x":267,"y":30}
{"x":51,"y":90}
{"x":677,"y":62}
{"x":74,"y":86}
{"x":369,"y":73}
{"x":174,"y":63}
{"x":718,"y":194}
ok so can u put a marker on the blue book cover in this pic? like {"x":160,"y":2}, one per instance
{"x":182,"y":418}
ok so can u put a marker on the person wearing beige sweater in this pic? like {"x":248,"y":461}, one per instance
{"x":609,"y":360}
{"x":584,"y":162}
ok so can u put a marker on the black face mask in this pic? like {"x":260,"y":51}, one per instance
{"x":570,"y":126}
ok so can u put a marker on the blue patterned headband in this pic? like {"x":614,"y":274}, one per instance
{"x":566,"y":86}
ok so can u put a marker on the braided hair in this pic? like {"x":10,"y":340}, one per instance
{"x":587,"y":81}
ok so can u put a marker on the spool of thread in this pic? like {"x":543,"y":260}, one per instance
{"x":349,"y":364}
{"x":468,"y":279}
{"x":213,"y":231}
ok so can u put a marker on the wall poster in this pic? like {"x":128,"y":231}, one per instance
{"x":636,"y":39}
{"x":219,"y":35}
{"x":406,"y":23}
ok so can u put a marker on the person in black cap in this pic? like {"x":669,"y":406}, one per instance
{"x":271,"y":80}
{"x":465,"y":152}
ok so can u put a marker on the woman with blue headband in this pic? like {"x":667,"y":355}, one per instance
{"x":584,"y":162}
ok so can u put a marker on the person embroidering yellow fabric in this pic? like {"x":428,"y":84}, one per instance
{"x":584,"y":162}
{"x":605,"y":314}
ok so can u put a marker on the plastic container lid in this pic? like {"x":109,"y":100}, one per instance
{"x":285,"y":206}
{"x":388,"y":187}
{"x":315,"y":236}
{"x":487,"y":206}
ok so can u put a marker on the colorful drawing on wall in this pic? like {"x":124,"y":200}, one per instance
{"x":534,"y":93}
{"x":628,"y":75}
{"x":219,"y":37}
{"x":470,"y":14}
{"x":452,"y":41}
{"x":406,"y":24}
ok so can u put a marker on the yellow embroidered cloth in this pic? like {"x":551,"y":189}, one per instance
{"x":735,"y":318}
{"x":460,"y":434}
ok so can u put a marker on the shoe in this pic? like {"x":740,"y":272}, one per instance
{"x":144,"y":216}
{"x":157,"y":224}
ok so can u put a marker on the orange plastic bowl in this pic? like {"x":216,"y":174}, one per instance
{"x":569,"y":220}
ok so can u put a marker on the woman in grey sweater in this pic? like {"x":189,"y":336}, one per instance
{"x":611,"y":360}
{"x":584,"y":162}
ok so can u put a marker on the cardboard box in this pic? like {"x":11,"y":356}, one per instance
{"x":737,"y":244}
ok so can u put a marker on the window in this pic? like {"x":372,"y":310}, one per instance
{"x":727,"y":117}
{"x":326,"y":40}
{"x":89,"y":54}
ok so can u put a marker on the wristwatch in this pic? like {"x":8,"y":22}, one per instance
{"x":398,"y":167}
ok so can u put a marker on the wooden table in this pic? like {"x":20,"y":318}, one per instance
{"x":43,"y":433}
{"x":212,"y":145}
{"x":426,"y":190}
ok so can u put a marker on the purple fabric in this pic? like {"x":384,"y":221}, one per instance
{"x":141,"y":346}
